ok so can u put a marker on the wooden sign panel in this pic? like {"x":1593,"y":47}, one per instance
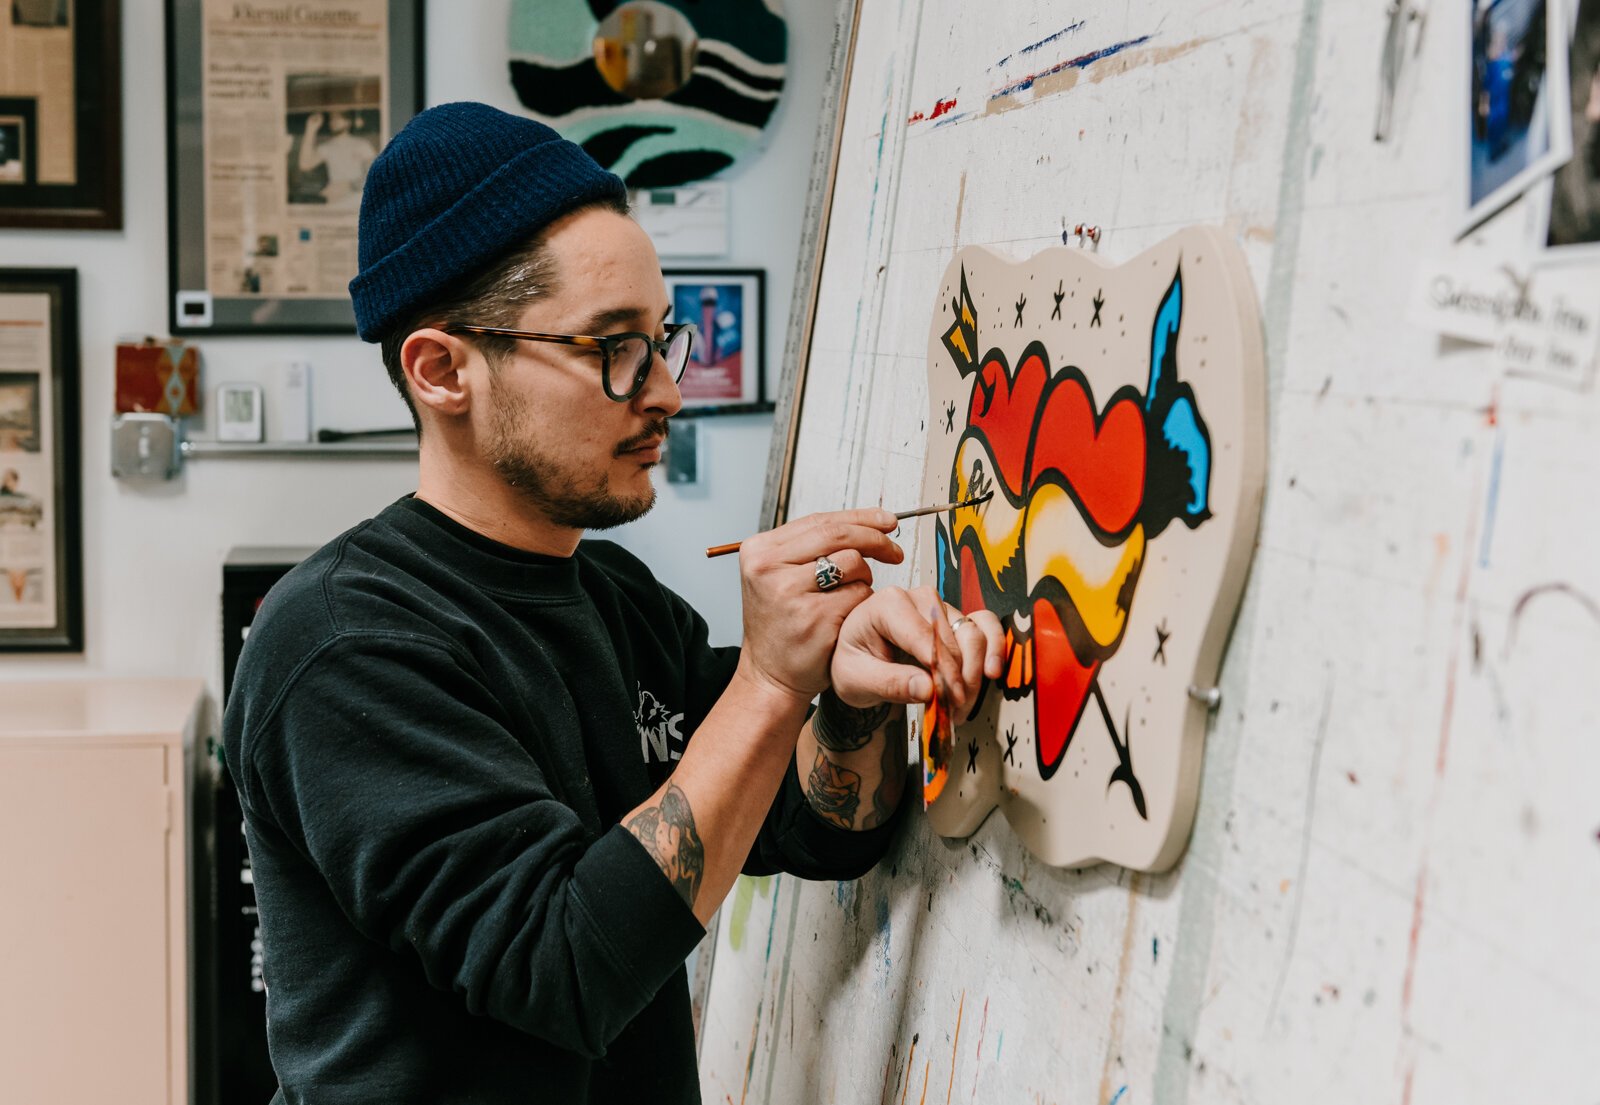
{"x":1117,"y":414}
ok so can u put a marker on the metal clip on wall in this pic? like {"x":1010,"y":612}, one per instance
{"x":1403,"y":15}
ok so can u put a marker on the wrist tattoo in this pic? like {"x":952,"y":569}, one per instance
{"x":834,"y":791}
{"x":667,"y":832}
{"x":844,"y":728}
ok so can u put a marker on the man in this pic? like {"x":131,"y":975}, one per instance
{"x":344,"y":156}
{"x":495,"y":781}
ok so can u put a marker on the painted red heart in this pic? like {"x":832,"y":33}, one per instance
{"x":1103,"y":465}
{"x":1060,"y":687}
{"x":1003,"y":407}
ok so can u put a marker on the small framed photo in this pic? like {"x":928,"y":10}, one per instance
{"x":1518,"y":104}
{"x":726,"y":372}
{"x":41,"y":547}
{"x":61,"y":114}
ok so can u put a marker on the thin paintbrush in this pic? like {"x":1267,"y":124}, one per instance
{"x":723,"y":550}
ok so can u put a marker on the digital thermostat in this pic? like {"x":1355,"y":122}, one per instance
{"x":239,"y":412}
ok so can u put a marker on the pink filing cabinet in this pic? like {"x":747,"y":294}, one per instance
{"x":93,"y":916}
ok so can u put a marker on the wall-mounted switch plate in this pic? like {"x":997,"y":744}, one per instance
{"x":144,"y":444}
{"x":683,"y":454}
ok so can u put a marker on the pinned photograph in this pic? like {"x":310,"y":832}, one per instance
{"x":1573,"y":226}
{"x":1519,"y":128}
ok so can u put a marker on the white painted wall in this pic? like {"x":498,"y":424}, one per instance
{"x":1389,"y":894}
{"x":152,"y":552}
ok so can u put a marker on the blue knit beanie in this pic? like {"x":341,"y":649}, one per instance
{"x":458,"y":186}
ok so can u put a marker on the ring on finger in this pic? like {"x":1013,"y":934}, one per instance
{"x":829,"y":574}
{"x":961,"y":621}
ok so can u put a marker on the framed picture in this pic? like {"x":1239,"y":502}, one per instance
{"x":726,"y":373}
{"x":1568,"y":221}
{"x":272,"y":123}
{"x":1518,"y":119}
{"x":60,"y":114}
{"x":41,"y":546}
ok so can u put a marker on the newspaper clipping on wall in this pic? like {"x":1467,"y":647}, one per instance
{"x":28,"y":559}
{"x":38,"y":132}
{"x":295,"y":109}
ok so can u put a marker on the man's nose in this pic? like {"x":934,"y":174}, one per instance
{"x":660,"y":394}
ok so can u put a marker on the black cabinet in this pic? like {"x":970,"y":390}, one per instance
{"x":230,"y":1001}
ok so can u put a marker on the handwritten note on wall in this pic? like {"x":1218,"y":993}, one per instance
{"x":1543,"y":323}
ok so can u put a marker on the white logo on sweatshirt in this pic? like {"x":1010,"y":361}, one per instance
{"x":660,"y":735}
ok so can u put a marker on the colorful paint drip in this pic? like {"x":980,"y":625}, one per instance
{"x":937,"y":736}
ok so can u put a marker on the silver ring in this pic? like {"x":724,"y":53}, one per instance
{"x":959,"y":622}
{"x":829,"y":574}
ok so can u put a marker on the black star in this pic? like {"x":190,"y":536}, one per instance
{"x":1161,"y":643}
{"x":1099,"y":302}
{"x":1060,"y":294}
{"x":1011,"y":745}
{"x":1022,"y":301}
{"x":950,"y":417}
{"x":972,"y":757}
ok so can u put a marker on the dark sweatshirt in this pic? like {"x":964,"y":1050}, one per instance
{"x":434,"y":737}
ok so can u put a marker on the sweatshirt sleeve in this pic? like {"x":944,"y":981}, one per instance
{"x":384,"y":761}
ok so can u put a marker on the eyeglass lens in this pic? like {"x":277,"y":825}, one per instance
{"x":630,"y":360}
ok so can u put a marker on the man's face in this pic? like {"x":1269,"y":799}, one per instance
{"x":550,"y":430}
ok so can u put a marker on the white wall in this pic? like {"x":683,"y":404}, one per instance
{"x":1389,"y":893}
{"x":152,"y":552}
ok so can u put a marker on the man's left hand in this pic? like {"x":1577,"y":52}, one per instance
{"x":885,"y":650}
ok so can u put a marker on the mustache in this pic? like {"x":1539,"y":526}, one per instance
{"x":659,"y":428}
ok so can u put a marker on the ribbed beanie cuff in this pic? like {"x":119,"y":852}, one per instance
{"x":460,"y":185}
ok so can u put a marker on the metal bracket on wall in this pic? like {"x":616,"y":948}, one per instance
{"x":145,"y":445}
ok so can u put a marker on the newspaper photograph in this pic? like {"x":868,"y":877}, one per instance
{"x":295,"y":111}
{"x":27,"y":489}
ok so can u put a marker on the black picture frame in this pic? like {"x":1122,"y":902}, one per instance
{"x":749,"y":329}
{"x":39,"y":417}
{"x":194,"y":307}
{"x":94,"y":200}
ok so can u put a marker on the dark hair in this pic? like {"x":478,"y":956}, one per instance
{"x":496,"y":296}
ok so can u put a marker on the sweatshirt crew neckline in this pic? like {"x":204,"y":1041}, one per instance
{"x":489,"y":563}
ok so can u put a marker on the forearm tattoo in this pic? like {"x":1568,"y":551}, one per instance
{"x":667,"y":832}
{"x":834,"y":791}
{"x":844,"y":728}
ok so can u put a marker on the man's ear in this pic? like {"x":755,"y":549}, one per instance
{"x":435,"y":364}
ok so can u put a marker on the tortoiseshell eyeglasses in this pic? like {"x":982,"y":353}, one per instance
{"x":625,"y":358}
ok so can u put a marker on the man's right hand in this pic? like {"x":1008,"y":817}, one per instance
{"x":791,"y":627}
